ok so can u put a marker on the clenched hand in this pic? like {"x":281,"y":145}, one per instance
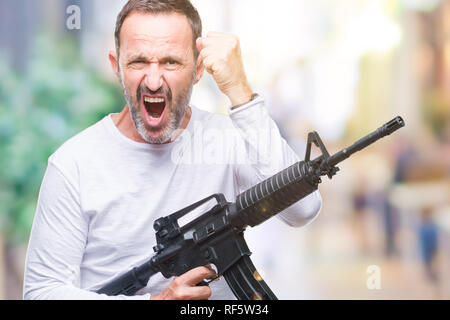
{"x":220,"y":54}
{"x":185,"y":286}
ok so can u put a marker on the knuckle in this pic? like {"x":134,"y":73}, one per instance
{"x":204,"y":272}
{"x":177,"y":281}
{"x":208,"y":62}
{"x":178,"y":292}
{"x":181,"y":295}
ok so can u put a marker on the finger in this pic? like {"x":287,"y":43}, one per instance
{"x":208,"y":53}
{"x":205,"y":49}
{"x":194,"y":276}
{"x":198,"y":293}
{"x":203,"y":43}
{"x":214,"y":269}
{"x":209,"y":65}
{"x":205,"y":273}
{"x":213,"y":41}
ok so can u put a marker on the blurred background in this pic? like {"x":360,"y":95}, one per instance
{"x":340,"y":67}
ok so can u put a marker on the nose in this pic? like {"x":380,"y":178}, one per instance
{"x":154,"y":77}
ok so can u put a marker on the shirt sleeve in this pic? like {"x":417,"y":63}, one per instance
{"x":57,"y":242}
{"x":267,"y":154}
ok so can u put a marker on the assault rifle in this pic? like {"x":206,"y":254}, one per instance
{"x":217,"y":236}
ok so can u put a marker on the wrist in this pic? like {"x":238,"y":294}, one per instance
{"x":253,"y":96}
{"x":239,"y":96}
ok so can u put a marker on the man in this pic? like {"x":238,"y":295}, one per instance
{"x":104,"y":187}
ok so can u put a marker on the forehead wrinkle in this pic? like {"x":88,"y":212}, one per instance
{"x":159,"y":52}
{"x":138,"y":40}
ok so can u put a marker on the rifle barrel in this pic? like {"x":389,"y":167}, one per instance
{"x":381,"y":132}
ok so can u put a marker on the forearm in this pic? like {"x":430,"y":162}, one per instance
{"x":267,"y":154}
{"x":39,"y":286}
{"x":267,"y":151}
{"x":52,"y":268}
{"x":57,"y":243}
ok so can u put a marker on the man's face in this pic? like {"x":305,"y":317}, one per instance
{"x":157,"y":71}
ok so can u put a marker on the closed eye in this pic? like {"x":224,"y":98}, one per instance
{"x":171,"y":63}
{"x":137,"y":62}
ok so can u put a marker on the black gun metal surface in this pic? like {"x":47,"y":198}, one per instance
{"x":217,"y":236}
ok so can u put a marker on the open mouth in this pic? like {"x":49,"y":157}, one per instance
{"x":155,"y":107}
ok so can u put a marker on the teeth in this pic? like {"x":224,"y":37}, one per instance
{"x":153,"y":100}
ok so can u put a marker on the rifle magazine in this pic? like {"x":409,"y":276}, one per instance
{"x":246,"y":283}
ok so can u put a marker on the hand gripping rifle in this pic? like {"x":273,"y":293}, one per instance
{"x":216,"y":237}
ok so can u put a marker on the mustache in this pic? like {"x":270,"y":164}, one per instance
{"x":162,"y":90}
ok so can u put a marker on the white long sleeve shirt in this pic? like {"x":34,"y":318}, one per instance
{"x":102,"y":192}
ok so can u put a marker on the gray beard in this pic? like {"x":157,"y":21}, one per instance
{"x":177,"y":109}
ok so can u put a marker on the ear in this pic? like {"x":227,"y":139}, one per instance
{"x":114,"y":62}
{"x":199,"y":69}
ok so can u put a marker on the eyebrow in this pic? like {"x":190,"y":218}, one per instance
{"x":163,"y":59}
{"x":136,"y":57}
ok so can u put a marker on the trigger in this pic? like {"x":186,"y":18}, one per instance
{"x":207,"y":282}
